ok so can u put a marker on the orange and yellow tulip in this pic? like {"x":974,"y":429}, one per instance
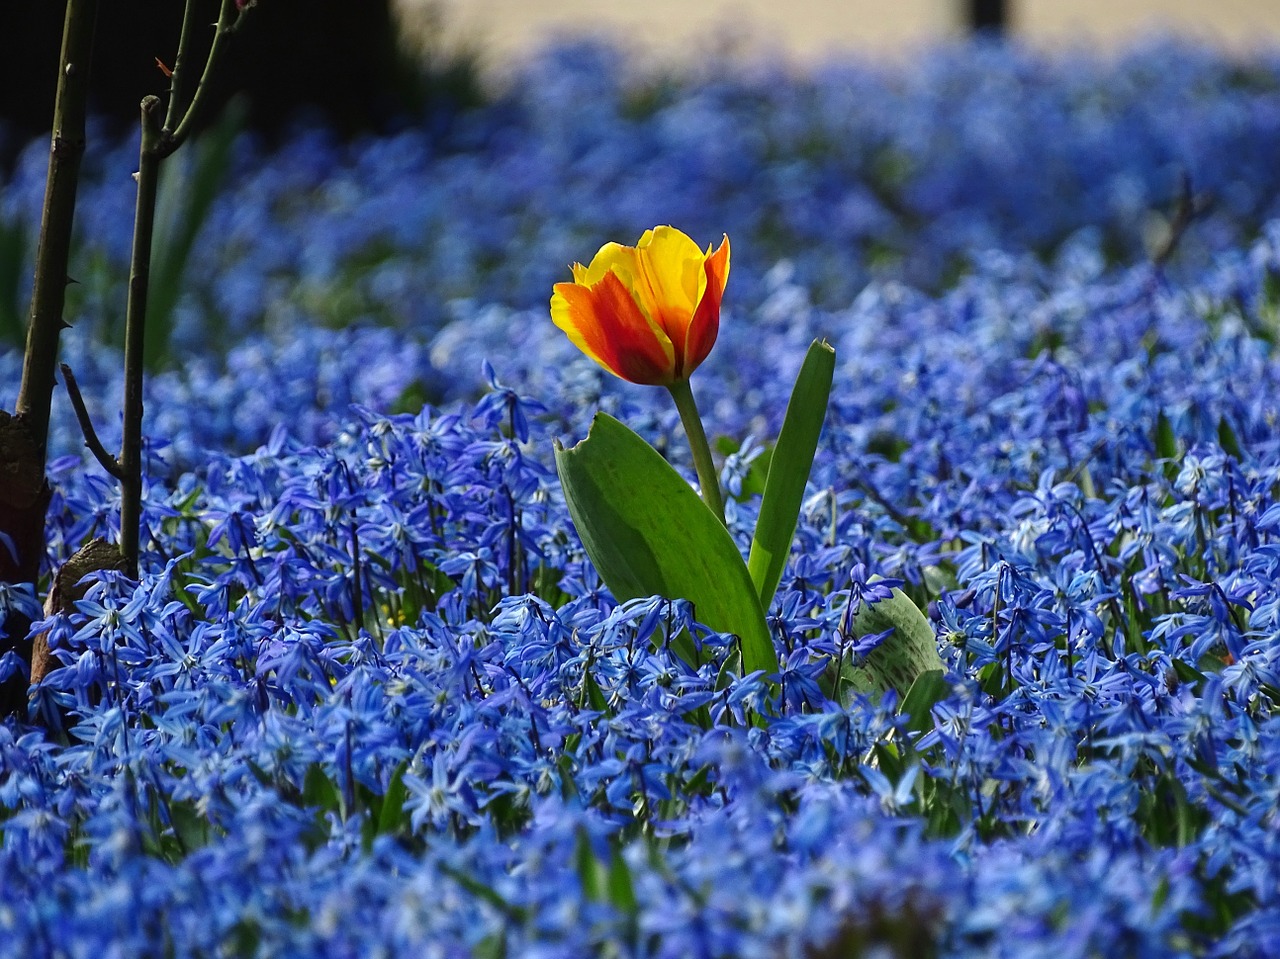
{"x":648,"y":313}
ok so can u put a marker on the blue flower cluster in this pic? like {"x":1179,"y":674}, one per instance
{"x":370,"y":699}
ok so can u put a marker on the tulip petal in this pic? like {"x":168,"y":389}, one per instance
{"x":704,"y":326}
{"x":671,"y":263}
{"x":648,"y":313}
{"x":669,"y":279}
{"x":605,"y":323}
{"x":611,"y":258}
{"x":622,"y":262}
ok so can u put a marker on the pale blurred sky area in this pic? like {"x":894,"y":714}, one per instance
{"x":809,"y":31}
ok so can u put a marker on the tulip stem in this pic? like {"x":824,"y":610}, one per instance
{"x":702,"y":462}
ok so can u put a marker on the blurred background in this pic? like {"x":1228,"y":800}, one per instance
{"x":365,"y":66}
{"x":812,"y":30}
{"x":401,"y":163}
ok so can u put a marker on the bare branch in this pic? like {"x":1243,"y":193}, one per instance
{"x":1189,"y":208}
{"x":105,"y":459}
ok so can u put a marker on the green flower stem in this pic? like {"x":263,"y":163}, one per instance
{"x":707,"y":477}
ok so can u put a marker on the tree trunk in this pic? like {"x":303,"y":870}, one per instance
{"x":24,"y":491}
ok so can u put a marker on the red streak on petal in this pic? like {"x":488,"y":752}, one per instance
{"x":630,"y":347}
{"x":704,"y":327}
{"x":587,"y":331}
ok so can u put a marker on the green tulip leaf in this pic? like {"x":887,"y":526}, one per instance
{"x":649,"y":534}
{"x":789,"y":470}
{"x":929,"y":689}
{"x":757,"y":473}
{"x":905,"y":655}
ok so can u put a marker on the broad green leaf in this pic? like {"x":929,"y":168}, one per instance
{"x":391,"y":815}
{"x":991,"y":680}
{"x":591,"y":874}
{"x":929,"y":689}
{"x":1228,"y":440}
{"x":492,"y":946}
{"x":318,"y":790}
{"x":789,"y":470}
{"x":1189,"y":674}
{"x":906,"y":654}
{"x":604,"y":881}
{"x":189,"y":825}
{"x":592,"y":695}
{"x":757,"y":473}
{"x":648,"y":533}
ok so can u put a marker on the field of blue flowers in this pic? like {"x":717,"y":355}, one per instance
{"x":370,"y":699}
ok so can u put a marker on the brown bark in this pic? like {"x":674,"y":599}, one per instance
{"x":24,"y":491}
{"x":92,"y":557}
{"x":24,"y":497}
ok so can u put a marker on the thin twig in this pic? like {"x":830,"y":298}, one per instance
{"x":148,"y":178}
{"x":105,"y":459}
{"x":158,"y":141}
{"x":180,"y":76}
{"x":1189,"y":208}
{"x":230,"y":18}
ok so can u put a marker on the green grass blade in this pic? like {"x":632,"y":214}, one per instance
{"x":622,"y":891}
{"x":648,"y":533}
{"x":789,"y":470}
